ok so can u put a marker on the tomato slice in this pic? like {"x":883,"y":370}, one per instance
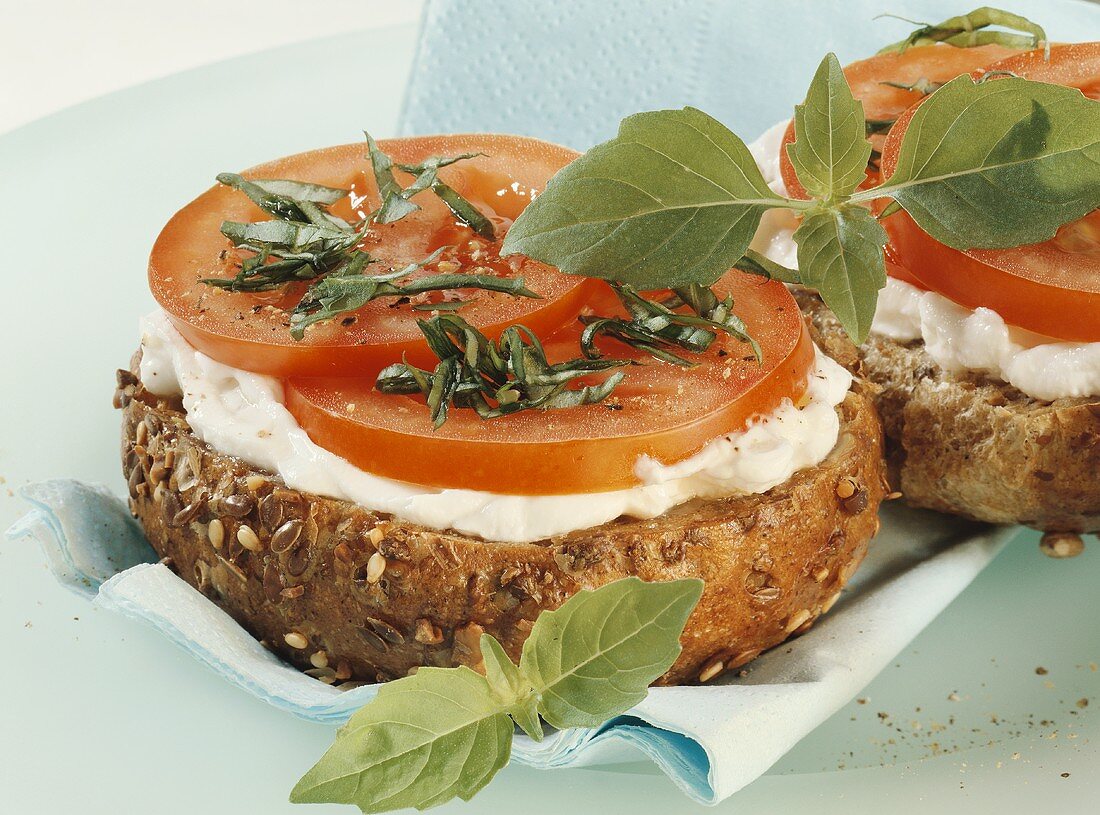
{"x":1076,"y":65}
{"x":251,"y":331}
{"x":660,"y":410}
{"x":936,"y":63}
{"x":1051,"y":288}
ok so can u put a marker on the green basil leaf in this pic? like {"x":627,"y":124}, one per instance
{"x":394,"y":204}
{"x":289,"y":236}
{"x":969,"y":30}
{"x":595,"y":657}
{"x":673,"y":199}
{"x":424,"y":740}
{"x":830,"y":149}
{"x":840,"y":255}
{"x":464,"y":210}
{"x":999,"y":163}
{"x":510,"y":686}
{"x":280,"y":206}
{"x":301,"y":190}
{"x":755,"y":263}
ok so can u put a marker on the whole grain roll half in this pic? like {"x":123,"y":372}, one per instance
{"x":971,"y":445}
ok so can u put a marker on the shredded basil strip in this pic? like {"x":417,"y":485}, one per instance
{"x":971,"y":30}
{"x":494,"y":378}
{"x":657,"y":329}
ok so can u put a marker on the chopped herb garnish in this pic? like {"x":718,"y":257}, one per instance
{"x":656,"y":328}
{"x":301,"y":251}
{"x":395,"y":204}
{"x":494,"y":378}
{"x":349,"y":289}
{"x":396,"y":201}
{"x":305,"y":242}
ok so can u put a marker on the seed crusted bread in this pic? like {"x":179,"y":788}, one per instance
{"x":351,"y":594}
{"x":970,"y":445}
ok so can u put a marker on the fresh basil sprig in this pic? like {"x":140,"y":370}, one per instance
{"x":830,"y":149}
{"x":970,"y":30}
{"x":676,"y":197}
{"x":494,"y":378}
{"x":445,"y":732}
{"x":674,"y":200}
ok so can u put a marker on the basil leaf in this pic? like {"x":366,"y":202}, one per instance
{"x":464,"y":210}
{"x":840,"y":255}
{"x":967,"y":31}
{"x":445,"y":732}
{"x":272,"y":203}
{"x":301,"y":190}
{"x":999,"y":163}
{"x":427,"y":177}
{"x":510,"y":687}
{"x":287,"y":236}
{"x":673,"y":199}
{"x":755,"y":263}
{"x":830,"y":149}
{"x":595,"y":657}
{"x":424,"y":740}
{"x":395,"y":205}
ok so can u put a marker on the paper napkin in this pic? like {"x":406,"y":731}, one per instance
{"x":569,"y":71}
{"x":710,"y":740}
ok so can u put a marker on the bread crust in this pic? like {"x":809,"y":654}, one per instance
{"x":353,"y":594}
{"x":970,"y":445}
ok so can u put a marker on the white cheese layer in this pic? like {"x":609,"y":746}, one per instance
{"x":242,"y":414}
{"x":957,"y":338}
{"x":963,"y":340}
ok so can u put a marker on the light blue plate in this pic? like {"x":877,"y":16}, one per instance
{"x":100,"y":715}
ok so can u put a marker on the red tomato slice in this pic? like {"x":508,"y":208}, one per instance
{"x":660,"y":410}
{"x":250,"y":331}
{"x":1052,"y":288}
{"x":936,"y":63}
{"x":1076,"y":65}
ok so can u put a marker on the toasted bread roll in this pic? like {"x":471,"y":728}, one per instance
{"x":971,"y":445}
{"x":348,"y":593}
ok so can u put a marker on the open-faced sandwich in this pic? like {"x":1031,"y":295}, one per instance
{"x":402,"y":394}
{"x":987,"y":355}
{"x":370,"y":436}
{"x":400,"y":398}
